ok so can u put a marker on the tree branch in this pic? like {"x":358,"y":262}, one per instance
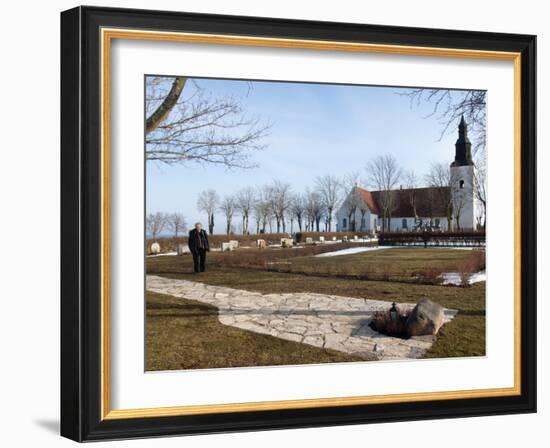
{"x":162,"y":111}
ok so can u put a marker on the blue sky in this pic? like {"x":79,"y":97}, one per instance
{"x":316,"y":129}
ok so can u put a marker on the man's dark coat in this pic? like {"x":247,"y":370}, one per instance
{"x":195,"y":240}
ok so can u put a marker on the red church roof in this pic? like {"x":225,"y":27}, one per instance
{"x":430,"y":201}
{"x":368,"y":199}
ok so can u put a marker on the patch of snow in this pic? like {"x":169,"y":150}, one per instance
{"x":363,"y":240}
{"x":455,"y":247}
{"x":453,"y":278}
{"x":353,"y":250}
{"x":162,"y":255}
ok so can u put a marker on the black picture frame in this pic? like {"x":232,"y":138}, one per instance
{"x":81,"y":224}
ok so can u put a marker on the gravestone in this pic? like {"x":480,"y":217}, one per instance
{"x":260,"y":244}
{"x":183,"y":249}
{"x":309,"y":240}
{"x":234,"y":244}
{"x":287,"y":242}
{"x":355,"y":237}
{"x":227,"y":247}
{"x":322,"y":239}
{"x":333,"y":238}
{"x":155,"y":248}
{"x":345,"y":238}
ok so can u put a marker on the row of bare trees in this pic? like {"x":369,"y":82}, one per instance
{"x":275,"y":207}
{"x":156,"y":223}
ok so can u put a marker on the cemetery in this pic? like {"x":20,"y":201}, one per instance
{"x":320,"y":299}
{"x":341,"y":271}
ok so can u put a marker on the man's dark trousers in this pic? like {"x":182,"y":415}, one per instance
{"x":199,"y":259}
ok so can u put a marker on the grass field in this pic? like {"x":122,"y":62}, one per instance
{"x":464,"y":336}
{"x":396,"y":263}
{"x":411,"y":265}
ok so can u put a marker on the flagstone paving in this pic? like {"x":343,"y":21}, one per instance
{"x":327,"y":321}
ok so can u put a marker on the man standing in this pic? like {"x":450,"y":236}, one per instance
{"x":198,"y":245}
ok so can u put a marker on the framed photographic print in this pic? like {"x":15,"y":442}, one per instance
{"x":273,"y":223}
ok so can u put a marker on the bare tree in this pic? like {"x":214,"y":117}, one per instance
{"x":480,"y":192}
{"x":244,"y":200}
{"x":256,"y":209}
{"x":411,"y":183}
{"x":197,"y":127}
{"x":297,"y":209}
{"x":384,"y":174}
{"x":330,"y":189}
{"x":314,"y":209}
{"x":363,"y":208}
{"x":155,"y":224}
{"x":280,"y":195}
{"x":439,"y":177}
{"x":228,"y":208}
{"x":208,"y":202}
{"x":351,"y":183}
{"x":450,"y":105}
{"x":262,"y":209}
{"x":176,"y":223}
{"x":161,"y":103}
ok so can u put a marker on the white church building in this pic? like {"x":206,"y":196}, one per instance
{"x":446,"y":207}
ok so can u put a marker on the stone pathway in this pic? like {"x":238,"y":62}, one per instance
{"x":327,"y":321}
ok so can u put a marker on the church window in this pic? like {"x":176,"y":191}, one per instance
{"x":404,"y":223}
{"x":437,"y":222}
{"x":344,"y":223}
{"x":461,"y":184}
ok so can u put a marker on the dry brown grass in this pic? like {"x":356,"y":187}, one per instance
{"x":474,"y":262}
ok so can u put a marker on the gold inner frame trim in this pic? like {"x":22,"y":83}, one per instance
{"x":107,"y":35}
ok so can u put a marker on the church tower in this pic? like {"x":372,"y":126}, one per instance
{"x":462,"y":181}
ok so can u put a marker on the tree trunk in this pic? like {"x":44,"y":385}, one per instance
{"x":158,"y":116}
{"x":211,"y":224}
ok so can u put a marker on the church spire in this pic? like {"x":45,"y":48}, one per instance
{"x":463,"y":146}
